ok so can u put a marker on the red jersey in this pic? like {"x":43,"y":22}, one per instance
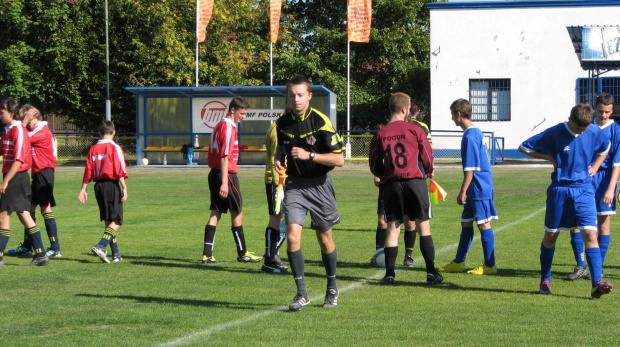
{"x":43,"y":147}
{"x":106,"y":161}
{"x":400,"y":150}
{"x":16,"y":147}
{"x":224,"y":143}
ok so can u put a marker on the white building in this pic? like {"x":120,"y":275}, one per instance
{"x":520,"y":63}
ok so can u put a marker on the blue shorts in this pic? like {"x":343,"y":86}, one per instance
{"x":600,"y":181}
{"x":569,"y":208}
{"x":481,"y":211}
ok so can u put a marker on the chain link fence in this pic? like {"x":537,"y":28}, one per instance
{"x":76,"y":146}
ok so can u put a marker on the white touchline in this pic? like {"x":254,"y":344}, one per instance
{"x":188,"y":338}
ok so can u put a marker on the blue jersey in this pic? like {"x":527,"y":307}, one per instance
{"x":573,"y":153}
{"x":475,"y":158}
{"x":612,"y":130}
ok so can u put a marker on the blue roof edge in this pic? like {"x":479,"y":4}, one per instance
{"x":519,"y":4}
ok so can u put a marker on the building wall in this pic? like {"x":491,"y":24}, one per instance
{"x":528,"y":45}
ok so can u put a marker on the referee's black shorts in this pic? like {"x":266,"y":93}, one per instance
{"x":407,"y":197}
{"x":109,"y":194}
{"x":233,"y":201}
{"x":43,"y":188}
{"x":17,"y":196}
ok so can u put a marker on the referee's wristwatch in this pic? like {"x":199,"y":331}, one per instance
{"x":311,"y":156}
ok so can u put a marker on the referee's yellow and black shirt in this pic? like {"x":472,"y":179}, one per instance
{"x":312,"y":131}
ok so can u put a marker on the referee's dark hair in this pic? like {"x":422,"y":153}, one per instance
{"x":238,"y":103}
{"x":106,"y":127}
{"x":605,"y":99}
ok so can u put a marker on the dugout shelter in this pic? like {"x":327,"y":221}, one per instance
{"x":168,"y":118}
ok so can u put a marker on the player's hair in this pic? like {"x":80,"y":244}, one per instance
{"x":27,"y":107}
{"x":581,"y":115}
{"x":398,"y":101}
{"x":106,"y":127}
{"x":605,"y":99}
{"x":414,"y":112}
{"x":463,"y":106}
{"x":297,"y":81}
{"x":238,"y":103}
{"x":10,"y":106}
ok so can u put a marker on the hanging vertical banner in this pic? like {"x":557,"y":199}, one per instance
{"x":359,"y":15}
{"x":204,"y":16}
{"x":275,"y":10}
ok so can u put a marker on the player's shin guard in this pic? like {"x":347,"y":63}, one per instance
{"x":409,"y":242}
{"x":390,"y":260}
{"x":467,"y":236}
{"x":380,"y":238}
{"x":239,"y":240}
{"x":37,"y":242}
{"x":108,"y":235}
{"x":577,"y":243}
{"x":487,"y":239}
{"x":593,"y":256}
{"x":296,"y":260}
{"x":271,"y":242}
{"x":329,"y":262}
{"x":209,"y":240}
{"x":52,"y":230}
{"x":4,"y":240}
{"x":546,"y":259}
{"x":427,"y":248}
{"x":603,"y":243}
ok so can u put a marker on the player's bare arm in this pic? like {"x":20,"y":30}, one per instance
{"x":329,"y":159}
{"x":122,"y":181}
{"x":9,"y":175}
{"x":224,"y":174}
{"x":608,"y":198}
{"x":468,"y":176}
{"x":83,"y":196}
{"x":538,"y":155}
{"x":597,"y":164}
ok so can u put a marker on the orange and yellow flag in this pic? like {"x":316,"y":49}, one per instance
{"x":359,"y":16}
{"x":436,"y":193}
{"x":206,"y":11}
{"x":275,"y":10}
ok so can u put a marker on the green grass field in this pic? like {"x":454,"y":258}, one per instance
{"x":161,"y":295}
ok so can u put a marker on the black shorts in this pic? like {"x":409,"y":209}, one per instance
{"x":270,"y":192}
{"x":18,"y":193}
{"x":233,"y":201}
{"x":109,"y":194}
{"x":43,"y":188}
{"x":407,"y":197}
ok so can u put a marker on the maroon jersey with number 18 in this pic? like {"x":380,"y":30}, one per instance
{"x":400,"y":151}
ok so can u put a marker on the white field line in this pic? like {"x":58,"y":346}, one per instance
{"x":224,"y":326}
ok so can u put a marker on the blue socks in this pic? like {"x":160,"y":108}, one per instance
{"x":546,"y":259}
{"x":488,"y":246}
{"x":593,"y":255}
{"x":603,"y":243}
{"x":467,"y":235}
{"x":577,"y":242}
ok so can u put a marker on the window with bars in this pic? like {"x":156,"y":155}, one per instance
{"x":589,"y":89}
{"x":490,"y":99}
